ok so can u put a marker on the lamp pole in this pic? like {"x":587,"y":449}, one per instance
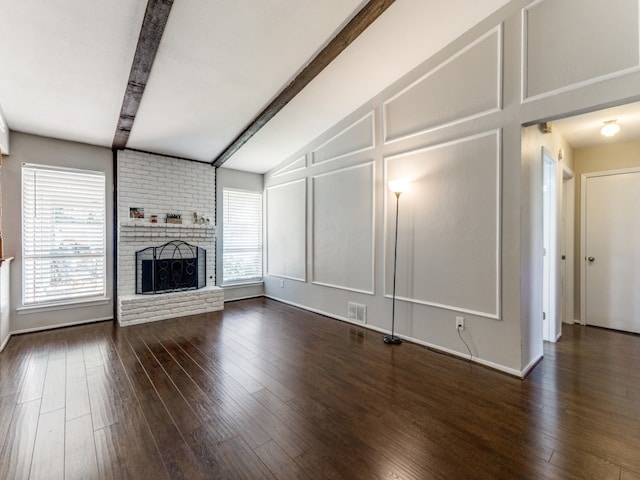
{"x":392,"y":339}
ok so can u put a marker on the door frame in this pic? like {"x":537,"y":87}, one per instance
{"x":552,"y":257}
{"x":583,"y":231}
{"x":567,"y":246}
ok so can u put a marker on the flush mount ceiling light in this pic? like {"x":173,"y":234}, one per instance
{"x":610,"y":128}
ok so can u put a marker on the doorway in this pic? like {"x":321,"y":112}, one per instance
{"x":581,"y":149}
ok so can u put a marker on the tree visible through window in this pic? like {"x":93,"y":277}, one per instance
{"x":63,"y":234}
{"x":242,"y":236}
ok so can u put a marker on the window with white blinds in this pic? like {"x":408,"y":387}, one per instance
{"x":63,"y":234}
{"x":242,"y":236}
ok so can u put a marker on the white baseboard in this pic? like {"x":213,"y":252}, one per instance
{"x":60,"y":325}
{"x":248,"y":297}
{"x":480,"y":361}
{"x":531,"y":365}
{"x":4,"y":344}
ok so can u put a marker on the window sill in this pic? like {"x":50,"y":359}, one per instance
{"x":48,"y":307}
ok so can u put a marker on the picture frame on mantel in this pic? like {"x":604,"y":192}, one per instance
{"x":136,"y":213}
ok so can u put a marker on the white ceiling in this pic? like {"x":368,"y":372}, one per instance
{"x":220,"y":63}
{"x":64,"y":66}
{"x":583,"y":131}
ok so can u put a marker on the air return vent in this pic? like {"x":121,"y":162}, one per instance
{"x":357,"y":312}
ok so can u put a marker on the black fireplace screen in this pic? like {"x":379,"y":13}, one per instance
{"x":171,"y":267}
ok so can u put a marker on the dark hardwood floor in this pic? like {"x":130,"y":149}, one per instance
{"x":264,"y":390}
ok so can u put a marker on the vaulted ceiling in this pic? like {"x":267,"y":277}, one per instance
{"x":65,"y":68}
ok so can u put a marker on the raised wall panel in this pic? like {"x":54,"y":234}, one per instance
{"x":294,"y":166}
{"x":449,"y":225}
{"x":286,"y":230}
{"x":343,"y":228}
{"x":569,"y":43}
{"x":355,"y":138}
{"x":466,"y":86}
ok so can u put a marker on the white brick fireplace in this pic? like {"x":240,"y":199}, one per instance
{"x":162,"y":185}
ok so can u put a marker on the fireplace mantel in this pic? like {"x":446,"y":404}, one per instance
{"x":172,"y":230}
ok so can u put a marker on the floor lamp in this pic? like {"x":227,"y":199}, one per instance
{"x":397,"y":187}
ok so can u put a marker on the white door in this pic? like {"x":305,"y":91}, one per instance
{"x":611,"y":254}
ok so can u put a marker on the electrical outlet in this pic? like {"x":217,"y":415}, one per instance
{"x":459,"y":323}
{"x":281,"y":283}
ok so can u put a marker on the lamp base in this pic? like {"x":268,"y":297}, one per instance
{"x":392,"y":340}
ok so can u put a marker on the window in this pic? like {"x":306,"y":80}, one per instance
{"x":242,"y":237}
{"x":63,"y":234}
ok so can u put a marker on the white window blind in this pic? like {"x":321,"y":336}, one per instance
{"x":63,"y":234}
{"x":242,"y":236}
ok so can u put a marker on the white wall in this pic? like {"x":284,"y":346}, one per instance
{"x":162,"y":185}
{"x":228,"y":178}
{"x":470,"y":228}
{"x":46,"y":151}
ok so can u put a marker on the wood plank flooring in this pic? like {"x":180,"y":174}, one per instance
{"x":264,"y":390}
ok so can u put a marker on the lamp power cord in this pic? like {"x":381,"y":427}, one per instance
{"x":465,"y":343}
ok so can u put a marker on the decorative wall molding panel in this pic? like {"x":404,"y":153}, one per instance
{"x":449,"y":225}
{"x":344,"y":228}
{"x":357,"y":137}
{"x":287,"y":230}
{"x":561,"y":54}
{"x":466,"y":86}
{"x":294,"y":166}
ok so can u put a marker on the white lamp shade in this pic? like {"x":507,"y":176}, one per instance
{"x":398,"y":186}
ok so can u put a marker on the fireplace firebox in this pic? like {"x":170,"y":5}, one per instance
{"x":172,"y":267}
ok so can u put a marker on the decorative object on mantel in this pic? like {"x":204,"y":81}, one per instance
{"x":136,"y":212}
{"x":154,"y":218}
{"x":174,"y":218}
{"x":200,"y":219}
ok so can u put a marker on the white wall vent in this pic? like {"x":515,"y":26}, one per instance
{"x":357,"y":312}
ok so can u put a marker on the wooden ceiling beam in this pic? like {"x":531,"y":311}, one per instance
{"x":153,"y":25}
{"x":358,"y":24}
